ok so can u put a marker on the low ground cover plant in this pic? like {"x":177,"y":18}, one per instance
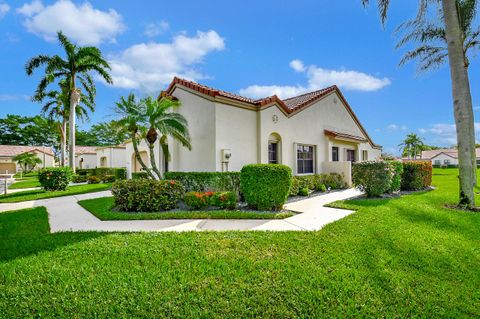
{"x":55,"y":178}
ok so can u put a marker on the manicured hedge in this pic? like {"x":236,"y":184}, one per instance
{"x":416,"y":175}
{"x":265,"y":186}
{"x":397,"y":176}
{"x":92,"y":179}
{"x":146,"y":195}
{"x":317,"y":182}
{"x":119,"y":173}
{"x":55,"y":178}
{"x":79,"y":178}
{"x":207,"y":181}
{"x":140,"y":175}
{"x":373,"y":177}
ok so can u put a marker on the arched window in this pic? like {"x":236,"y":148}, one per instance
{"x":274,"y":149}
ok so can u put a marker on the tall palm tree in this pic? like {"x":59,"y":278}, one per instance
{"x":462,"y":98}
{"x":77,"y":66}
{"x":162,"y":120}
{"x":132,"y":115}
{"x":411,"y":146}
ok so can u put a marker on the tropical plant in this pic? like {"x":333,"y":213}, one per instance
{"x":27,"y":130}
{"x":161,"y":120}
{"x":411,"y":146}
{"x":462,"y":98}
{"x":78,"y":65}
{"x":27,"y":160}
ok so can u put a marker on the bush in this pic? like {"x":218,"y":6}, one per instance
{"x":85,"y":171}
{"x":303,"y":191}
{"x":120,"y":173}
{"x":374,"y":178}
{"x":416,"y":175}
{"x":198,"y":200}
{"x":333,"y":181}
{"x":108,"y":178}
{"x":140,"y":175}
{"x":397,"y":176}
{"x":55,"y":178}
{"x":79,"y":178}
{"x":321,"y":188}
{"x":225,"y":200}
{"x":317,"y":182}
{"x":265,"y":186}
{"x":146,"y":195}
{"x":207,"y":181}
{"x":93,"y":179}
{"x":295,"y":187}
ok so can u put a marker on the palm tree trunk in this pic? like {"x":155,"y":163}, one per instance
{"x":138,"y":157}
{"x":74,"y":100}
{"x":462,"y":103}
{"x":151,"y":147}
{"x":63,"y":141}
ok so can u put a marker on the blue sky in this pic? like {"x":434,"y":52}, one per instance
{"x":244,"y":47}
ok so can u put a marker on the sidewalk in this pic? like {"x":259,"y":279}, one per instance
{"x":65,"y":214}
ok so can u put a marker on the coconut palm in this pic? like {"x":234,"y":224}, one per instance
{"x":132,"y":115}
{"x":411,"y":146}
{"x":75,"y":68}
{"x":27,"y":160}
{"x":462,"y":98}
{"x":161,"y":120}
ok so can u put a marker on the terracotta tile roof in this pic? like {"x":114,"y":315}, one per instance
{"x":345,"y":135}
{"x":14,"y":150}
{"x":79,"y":150}
{"x":289,"y":106}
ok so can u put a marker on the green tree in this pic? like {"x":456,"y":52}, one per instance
{"x":27,"y":160}
{"x":27,"y":130}
{"x":77,"y":66}
{"x":462,"y":98}
{"x":411,"y":146}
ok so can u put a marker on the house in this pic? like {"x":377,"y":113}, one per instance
{"x":445,"y":157}
{"x":85,"y":157}
{"x":8,"y":152}
{"x":312,"y":133}
{"x":111,"y":156}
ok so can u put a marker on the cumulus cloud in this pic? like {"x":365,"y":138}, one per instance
{"x":82,"y":23}
{"x":150,"y":66}
{"x":396,"y":127}
{"x":319,"y":78}
{"x":4,"y":8}
{"x":445,"y":134}
{"x":154,"y":29}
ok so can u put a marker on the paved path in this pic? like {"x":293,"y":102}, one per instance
{"x":65,"y":214}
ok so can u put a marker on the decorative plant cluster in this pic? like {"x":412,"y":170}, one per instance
{"x":316,"y":182}
{"x":100,"y":174}
{"x":93,"y":179}
{"x":146,"y":195}
{"x":207,"y":181}
{"x":416,"y":175}
{"x":55,"y":178}
{"x":140,"y":175}
{"x":201,"y":200}
{"x":265,"y":186}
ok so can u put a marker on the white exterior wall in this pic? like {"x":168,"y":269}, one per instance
{"x":142,"y":147}
{"x":442,"y":158}
{"x":89,"y":160}
{"x":47,"y":160}
{"x":115,"y":157}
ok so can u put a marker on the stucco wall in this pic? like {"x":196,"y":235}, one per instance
{"x":89,"y":160}
{"x":142,"y":147}
{"x":115,"y":157}
{"x":442,"y":157}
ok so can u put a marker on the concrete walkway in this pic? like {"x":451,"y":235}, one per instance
{"x":64,"y":214}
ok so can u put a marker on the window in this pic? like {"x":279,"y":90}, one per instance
{"x":272,"y":153}
{"x":335,"y":154}
{"x":438,"y":162}
{"x":305,"y":159}
{"x":351,"y":155}
{"x":446,"y":162}
{"x":364,"y":155}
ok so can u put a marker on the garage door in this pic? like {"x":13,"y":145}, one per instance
{"x":10,"y":167}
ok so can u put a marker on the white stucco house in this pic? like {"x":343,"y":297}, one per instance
{"x":85,"y":157}
{"x":312,"y":133}
{"x":8,"y":152}
{"x":111,"y":156}
{"x":445,"y":157}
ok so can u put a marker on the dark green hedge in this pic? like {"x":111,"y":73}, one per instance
{"x":265,"y":186}
{"x":207,"y":181}
{"x":373,"y":177}
{"x":146,"y":195}
{"x":100,"y":172}
{"x":416,"y":175}
{"x":317,"y":182}
{"x":140,"y":175}
{"x":397,"y":176}
{"x":55,"y":178}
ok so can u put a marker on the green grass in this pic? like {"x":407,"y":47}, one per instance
{"x":403,"y":258}
{"x":102,"y":208}
{"x":41,"y":194}
{"x":28,"y":182}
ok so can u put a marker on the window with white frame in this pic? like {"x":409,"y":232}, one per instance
{"x":364,"y":155}
{"x":305,"y":159}
{"x":446,"y":162}
{"x":437,"y":162}
{"x":335,"y":153}
{"x":272,"y":152}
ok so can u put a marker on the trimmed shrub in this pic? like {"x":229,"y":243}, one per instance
{"x":146,"y":195}
{"x":374,"y":178}
{"x":303,"y":191}
{"x":207,"y":181}
{"x":265,"y":186}
{"x":108,"y":179}
{"x":397,"y":176}
{"x":93,"y":179}
{"x":295,"y":187}
{"x":140,"y":175}
{"x":225,"y":200}
{"x":321,"y":188}
{"x":120,"y":173}
{"x":317,"y":182}
{"x":333,"y":181}
{"x":198,"y":200}
{"x":85,"y":171}
{"x":55,"y":178}
{"x":416,"y":175}
{"x":79,"y":178}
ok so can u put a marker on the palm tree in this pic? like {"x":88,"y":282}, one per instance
{"x":132,"y":115}
{"x":78,"y":65}
{"x":27,"y":160}
{"x":162,"y":120}
{"x":411,"y":146}
{"x":462,"y":98}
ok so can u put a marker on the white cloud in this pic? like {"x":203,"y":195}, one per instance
{"x":11,"y":97}
{"x":154,"y":29}
{"x":150,"y":66}
{"x":4,"y":8}
{"x":83,"y":23}
{"x":476,"y":108}
{"x":395,"y":127}
{"x":318,"y":78}
{"x":445,"y":134}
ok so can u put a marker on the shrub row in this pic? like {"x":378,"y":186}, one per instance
{"x":55,"y":178}
{"x":140,"y":175}
{"x":416,"y":175}
{"x":317,"y":182}
{"x":199,"y":200}
{"x":100,"y":172}
{"x":207,"y":181}
{"x":146,"y":195}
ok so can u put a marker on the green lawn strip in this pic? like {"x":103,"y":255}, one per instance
{"x":394,"y":258}
{"x":102,"y":208}
{"x":41,"y":194}
{"x":25,"y":183}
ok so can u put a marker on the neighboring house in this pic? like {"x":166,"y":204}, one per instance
{"x":111,"y":156}
{"x":312,"y":133}
{"x":86,"y":156}
{"x":445,"y":157}
{"x":8,"y":152}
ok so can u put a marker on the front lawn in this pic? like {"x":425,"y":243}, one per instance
{"x":102,"y":208}
{"x":402,"y":258}
{"x":28,"y":182}
{"x":42,"y":194}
